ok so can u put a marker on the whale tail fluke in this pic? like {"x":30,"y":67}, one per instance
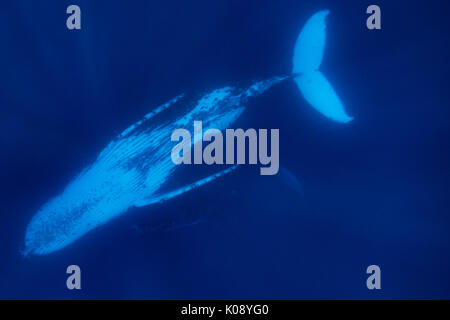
{"x":314,"y":86}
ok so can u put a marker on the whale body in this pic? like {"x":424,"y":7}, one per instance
{"x":132,"y":169}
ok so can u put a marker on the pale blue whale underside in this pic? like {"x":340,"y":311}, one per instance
{"x":132,"y":168}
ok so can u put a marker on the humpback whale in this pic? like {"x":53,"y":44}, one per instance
{"x":133,"y":168}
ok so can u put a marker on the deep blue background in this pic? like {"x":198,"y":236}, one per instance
{"x":376,"y":191}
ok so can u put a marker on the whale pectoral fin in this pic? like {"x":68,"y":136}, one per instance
{"x":318,"y":91}
{"x":150,"y":115}
{"x":169,"y":195}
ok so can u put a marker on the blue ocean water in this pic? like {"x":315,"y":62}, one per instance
{"x":373,"y":191}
